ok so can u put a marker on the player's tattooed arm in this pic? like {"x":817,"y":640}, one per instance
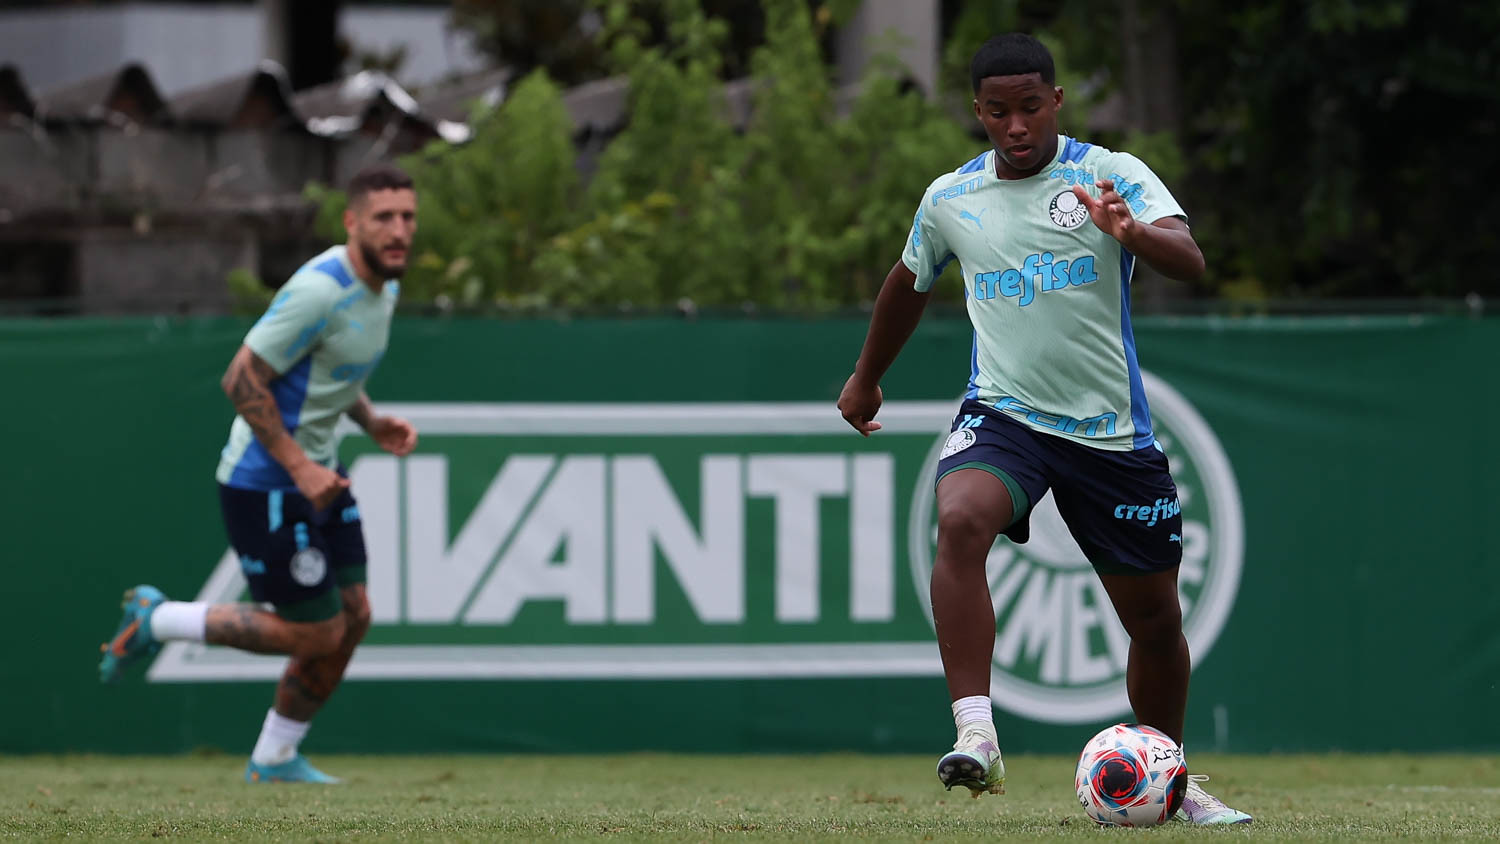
{"x":247,"y":383}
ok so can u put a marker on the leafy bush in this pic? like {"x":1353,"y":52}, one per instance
{"x":805,"y":208}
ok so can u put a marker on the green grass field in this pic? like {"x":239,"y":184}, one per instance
{"x":701,"y":798}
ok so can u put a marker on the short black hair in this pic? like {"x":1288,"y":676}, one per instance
{"x":383,"y":176}
{"x":1012,"y":54}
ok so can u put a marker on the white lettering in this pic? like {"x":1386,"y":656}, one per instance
{"x":796,"y":482}
{"x":1034,"y":628}
{"x":646,"y":515}
{"x":872,"y":554}
{"x":442,"y":576}
{"x":374,"y":479}
{"x":568,"y":517}
{"x":1084,"y":666}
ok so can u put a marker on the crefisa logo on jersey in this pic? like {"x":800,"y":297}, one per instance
{"x":1066,"y":211}
{"x":1059,"y":649}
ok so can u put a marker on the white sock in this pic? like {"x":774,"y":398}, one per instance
{"x":173,"y":620}
{"x":279,"y":738}
{"x":974,"y":712}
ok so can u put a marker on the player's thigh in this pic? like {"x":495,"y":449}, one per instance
{"x":282,"y":552}
{"x":1121,"y":508}
{"x":343,"y":536}
{"x":989,"y":475}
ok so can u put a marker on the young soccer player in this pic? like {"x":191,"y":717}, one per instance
{"x":286,"y":501}
{"x":1046,"y":230}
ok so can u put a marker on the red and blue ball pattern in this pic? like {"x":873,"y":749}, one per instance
{"x":1131,"y":775}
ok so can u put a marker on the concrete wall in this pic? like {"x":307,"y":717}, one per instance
{"x":169,"y":271}
{"x":184,"y":46}
{"x":908,"y":28}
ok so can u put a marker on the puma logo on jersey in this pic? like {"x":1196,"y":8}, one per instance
{"x":965,"y":215}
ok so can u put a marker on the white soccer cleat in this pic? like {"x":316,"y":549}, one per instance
{"x":974,"y":764}
{"x":1200,"y":807}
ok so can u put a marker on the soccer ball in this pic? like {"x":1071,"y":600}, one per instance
{"x":1131,"y":775}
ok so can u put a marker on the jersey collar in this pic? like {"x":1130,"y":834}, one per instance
{"x":989,"y":164}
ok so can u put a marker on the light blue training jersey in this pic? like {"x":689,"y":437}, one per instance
{"x":324,"y":334}
{"x":1048,"y":293}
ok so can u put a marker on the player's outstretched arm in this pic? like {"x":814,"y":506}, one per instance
{"x":247,"y":384}
{"x":898,"y":309}
{"x":1167,"y":245}
{"x":391,"y":433}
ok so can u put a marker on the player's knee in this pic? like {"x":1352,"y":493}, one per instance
{"x":965,"y":524}
{"x":356,"y":622}
{"x":1158,"y":624}
{"x":321,"y":638}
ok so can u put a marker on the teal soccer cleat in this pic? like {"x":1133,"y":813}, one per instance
{"x":296,"y":769}
{"x":133,"y":639}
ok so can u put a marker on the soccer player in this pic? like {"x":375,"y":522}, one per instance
{"x":285,"y":499}
{"x":1046,"y":231}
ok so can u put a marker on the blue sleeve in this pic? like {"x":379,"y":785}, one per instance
{"x":292,"y":326}
{"x":926,"y":251}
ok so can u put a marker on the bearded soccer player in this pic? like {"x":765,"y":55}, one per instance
{"x":1046,"y":230}
{"x":286,"y":501}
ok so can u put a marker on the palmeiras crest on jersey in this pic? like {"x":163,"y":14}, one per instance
{"x":956,"y":442}
{"x":1059,"y":649}
{"x":309,"y":566}
{"x":1066,"y":211}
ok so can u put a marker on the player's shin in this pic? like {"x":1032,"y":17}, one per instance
{"x":250,"y":628}
{"x":1156,"y":680}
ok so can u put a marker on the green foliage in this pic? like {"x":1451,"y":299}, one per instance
{"x":1322,"y":147}
{"x":247,"y":293}
{"x":532,"y":34}
{"x":796,"y":206}
{"x":489,"y":208}
{"x":1335,"y":140}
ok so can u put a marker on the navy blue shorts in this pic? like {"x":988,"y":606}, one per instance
{"x":1120,"y":506}
{"x":294,"y":557}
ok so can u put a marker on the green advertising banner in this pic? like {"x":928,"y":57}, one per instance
{"x":627,"y":535}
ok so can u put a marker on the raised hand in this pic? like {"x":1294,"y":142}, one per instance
{"x":394,"y":434}
{"x":1109,"y":212}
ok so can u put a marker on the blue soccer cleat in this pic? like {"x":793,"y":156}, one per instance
{"x":133,"y":639}
{"x":295,"y":769}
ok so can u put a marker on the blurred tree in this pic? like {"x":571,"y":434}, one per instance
{"x":806,"y":208}
{"x":556,"y":35}
{"x":1334,"y":143}
{"x":490,"y":207}
{"x":563,"y":36}
{"x":1320,"y":144}
{"x":1323,"y":147}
